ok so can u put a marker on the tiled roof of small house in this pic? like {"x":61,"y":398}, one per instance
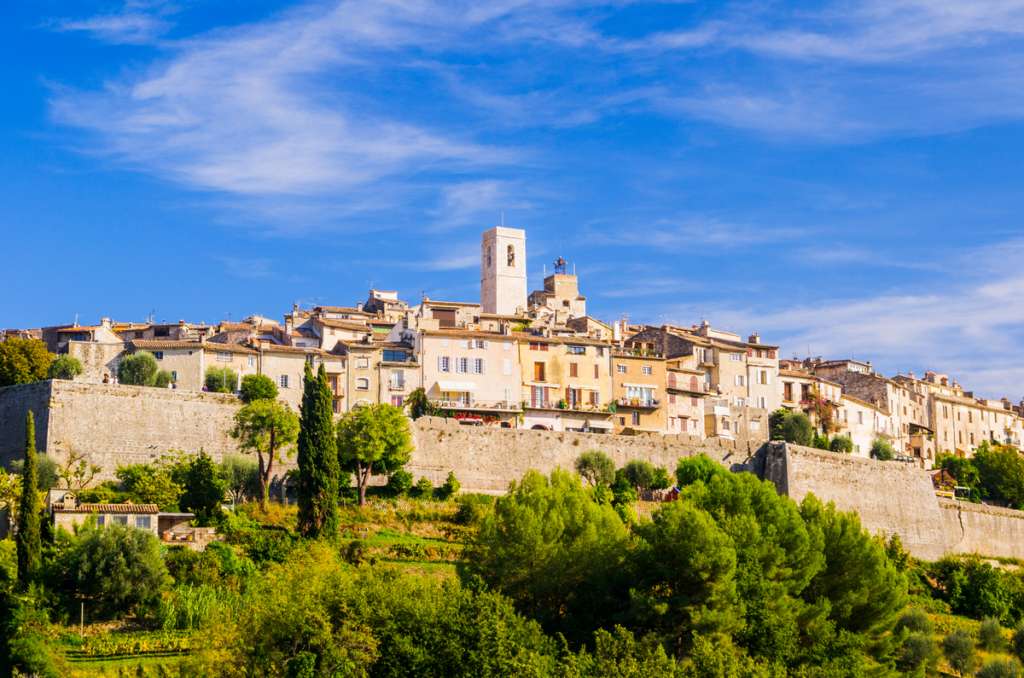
{"x":106,"y":508}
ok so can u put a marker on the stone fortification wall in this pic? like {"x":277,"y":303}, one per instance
{"x":115,"y":424}
{"x":988,"y":530}
{"x":15,"y":402}
{"x":487,"y":459}
{"x":896,"y":498}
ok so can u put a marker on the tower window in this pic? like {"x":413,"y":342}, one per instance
{"x":511,"y":256}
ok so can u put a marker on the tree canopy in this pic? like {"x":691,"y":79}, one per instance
{"x":64,"y":367}
{"x":270,"y":429}
{"x":257,"y":387}
{"x":792,"y":427}
{"x":373,"y":439}
{"x":23,"y":361}
{"x":596,"y":467}
{"x":318,"y":470}
{"x":138,"y":369}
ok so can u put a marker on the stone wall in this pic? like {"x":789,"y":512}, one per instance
{"x":487,"y":459}
{"x":896,"y":498}
{"x":98,"y":359}
{"x":115,"y":424}
{"x":15,"y":402}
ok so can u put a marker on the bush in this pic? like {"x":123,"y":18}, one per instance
{"x":116,"y":569}
{"x":959,"y":651}
{"x":841,"y":444}
{"x":990,"y":635}
{"x":64,"y":367}
{"x":450,"y":488}
{"x":661,"y":480}
{"x":1017,"y":641}
{"x":918,"y":650}
{"x":400,"y":482}
{"x":915,"y":621}
{"x":257,"y":387}
{"x":424,"y":488}
{"x":596,"y":467}
{"x":163,"y":379}
{"x":639,"y":473}
{"x":356,"y":552}
{"x":472,"y":508}
{"x":975,"y":589}
{"x":138,"y":369}
{"x":882,"y":450}
{"x":792,"y":427}
{"x":1000,"y":668}
{"x":221,"y":380}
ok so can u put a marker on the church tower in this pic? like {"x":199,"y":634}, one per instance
{"x":503,"y":270}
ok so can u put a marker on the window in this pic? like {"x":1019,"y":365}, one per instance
{"x":397,"y":380}
{"x":223,"y":357}
{"x":539,"y":372}
{"x":736,"y":357}
{"x":362,"y":362}
{"x":462,"y":365}
{"x":538,"y":346}
{"x":860,"y":417}
{"x":481,"y":343}
{"x":478,"y":366}
{"x":397,"y":401}
{"x":574,"y":370}
{"x":764,"y":377}
{"x":672,"y":398}
{"x":362,"y":384}
{"x":739,"y":380}
{"x":787,"y":391}
{"x":593,"y":399}
{"x":174,"y":376}
{"x":635,"y":419}
{"x":506,"y":366}
{"x":621,"y":369}
{"x":283,"y":381}
{"x":576,"y":350}
{"x":159,"y":355}
{"x":511,"y":256}
{"x":393,"y":356}
{"x":119,"y":520}
{"x":142,"y":522}
{"x":622,"y":421}
{"x":646,"y":369}
{"x":762,"y":402}
{"x":101,"y":520}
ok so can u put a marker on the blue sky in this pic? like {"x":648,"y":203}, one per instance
{"x":844,"y":178}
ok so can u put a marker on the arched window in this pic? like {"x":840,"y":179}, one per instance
{"x":511,"y":256}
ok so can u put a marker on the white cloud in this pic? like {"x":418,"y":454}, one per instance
{"x":138,"y":22}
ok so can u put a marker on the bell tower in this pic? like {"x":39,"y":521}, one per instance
{"x":503,"y":270}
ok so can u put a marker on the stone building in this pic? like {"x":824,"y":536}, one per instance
{"x":567,"y":382}
{"x":503,"y":271}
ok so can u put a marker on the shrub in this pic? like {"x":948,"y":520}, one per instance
{"x":138,"y":369}
{"x":424,"y":488}
{"x":400,"y":482}
{"x":990,"y":635}
{"x":596,"y":467}
{"x":450,"y":488}
{"x":882,"y":450}
{"x":841,"y":444}
{"x":162,"y":379}
{"x":639,"y":473}
{"x":472,"y":508}
{"x":65,"y":367}
{"x":959,"y":651}
{"x":1000,"y":668}
{"x":257,"y":387}
{"x":792,"y":427}
{"x":918,"y":650}
{"x":916,"y":621}
{"x":221,"y":379}
{"x":1017,"y":642}
{"x":356,"y":552}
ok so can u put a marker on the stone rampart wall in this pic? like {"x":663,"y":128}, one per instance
{"x":988,"y":530}
{"x":15,"y":402}
{"x":487,"y":459}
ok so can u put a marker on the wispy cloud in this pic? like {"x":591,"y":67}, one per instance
{"x":694,"y":232}
{"x":137,"y":22}
{"x":247,"y":268}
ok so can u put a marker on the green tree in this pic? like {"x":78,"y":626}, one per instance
{"x":138,"y":369}
{"x":221,"y":380}
{"x":557,"y":552}
{"x":399,"y":482}
{"x":596,"y":467}
{"x":661,"y":480}
{"x":959,"y":651}
{"x":424,"y":488}
{"x":241,"y":477}
{"x":1000,"y":474}
{"x":419,"y":404}
{"x":64,"y":367}
{"x":76,"y":472}
{"x":882,"y":450}
{"x":841,"y":444}
{"x":23,"y":361}
{"x":150,"y":484}
{"x":964,"y":470}
{"x":270,"y":429}
{"x":373,"y":439}
{"x":792,"y":427}
{"x":203,"y":489}
{"x":918,"y":654}
{"x":685,"y":577}
{"x":317,"y":459}
{"x":450,"y":488}
{"x":640,"y":474}
{"x":990,"y":635}
{"x":700,"y":468}
{"x":163,"y":379}
{"x":28,"y":537}
{"x":115,"y":569}
{"x":257,"y":387}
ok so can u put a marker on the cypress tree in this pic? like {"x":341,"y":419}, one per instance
{"x":317,"y":459}
{"x":28,"y":541}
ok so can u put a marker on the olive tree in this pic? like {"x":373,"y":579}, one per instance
{"x":268,"y":428}
{"x":373,"y":440}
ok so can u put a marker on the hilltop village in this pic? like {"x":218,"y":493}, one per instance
{"x":538,"y":361}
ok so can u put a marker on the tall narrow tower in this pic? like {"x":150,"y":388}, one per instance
{"x":503,"y":270}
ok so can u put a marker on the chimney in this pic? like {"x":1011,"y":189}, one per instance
{"x":105,"y":322}
{"x":754,"y":338}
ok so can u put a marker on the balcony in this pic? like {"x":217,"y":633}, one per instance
{"x":476,"y":405}
{"x":638,"y":403}
{"x":396,"y":385}
{"x":563,"y":406}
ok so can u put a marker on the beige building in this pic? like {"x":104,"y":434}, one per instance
{"x":567,"y":383}
{"x":474,"y":375}
{"x":560,"y":296}
{"x":503,"y":271}
{"x":686,"y":395}
{"x":863,"y":422}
